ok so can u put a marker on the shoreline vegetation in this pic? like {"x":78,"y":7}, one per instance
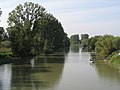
{"x":103,"y":47}
{"x":113,"y":58}
{"x":33,"y":31}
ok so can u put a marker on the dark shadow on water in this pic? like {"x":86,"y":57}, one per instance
{"x":5,"y":61}
{"x":38,"y":73}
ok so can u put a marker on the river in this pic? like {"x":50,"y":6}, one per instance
{"x":59,"y":71}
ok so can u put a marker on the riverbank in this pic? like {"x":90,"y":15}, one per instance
{"x":113,"y":59}
{"x":5,"y":52}
{"x":6,"y":56}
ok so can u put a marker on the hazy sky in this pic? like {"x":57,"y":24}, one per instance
{"x":94,"y":17}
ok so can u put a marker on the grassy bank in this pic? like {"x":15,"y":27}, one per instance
{"x":5,"y":55}
{"x":5,"y":52}
{"x":114,"y":59}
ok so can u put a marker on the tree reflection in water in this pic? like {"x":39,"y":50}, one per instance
{"x":107,"y":72}
{"x":75,"y":48}
{"x":43,"y":72}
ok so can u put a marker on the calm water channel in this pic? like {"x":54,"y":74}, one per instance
{"x":60,"y":71}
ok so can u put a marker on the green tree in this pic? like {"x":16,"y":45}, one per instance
{"x":51,"y":34}
{"x":104,"y":46}
{"x":66,"y":41}
{"x":1,"y":34}
{"x":84,"y":36}
{"x":85,"y":41}
{"x":74,"y":39}
{"x":21,"y":22}
{"x":116,"y":43}
{"x":32,"y":30}
{"x":92,"y":42}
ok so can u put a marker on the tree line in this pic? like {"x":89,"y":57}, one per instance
{"x":102,"y":46}
{"x":31,"y":31}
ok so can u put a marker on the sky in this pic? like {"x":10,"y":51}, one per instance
{"x":94,"y":17}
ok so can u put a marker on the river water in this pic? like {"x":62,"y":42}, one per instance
{"x":59,"y":71}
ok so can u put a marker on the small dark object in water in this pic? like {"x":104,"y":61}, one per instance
{"x":91,"y":61}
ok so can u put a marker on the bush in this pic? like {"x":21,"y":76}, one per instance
{"x":6,"y":44}
{"x":5,"y":52}
{"x":115,"y":58}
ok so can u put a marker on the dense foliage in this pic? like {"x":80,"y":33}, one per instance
{"x":74,"y":39}
{"x":92,"y":43}
{"x":102,"y":46}
{"x":85,"y":41}
{"x":32,"y":31}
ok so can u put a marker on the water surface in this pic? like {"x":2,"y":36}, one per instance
{"x":59,"y":71}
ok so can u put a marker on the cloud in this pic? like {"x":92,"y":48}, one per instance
{"x":77,"y":16}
